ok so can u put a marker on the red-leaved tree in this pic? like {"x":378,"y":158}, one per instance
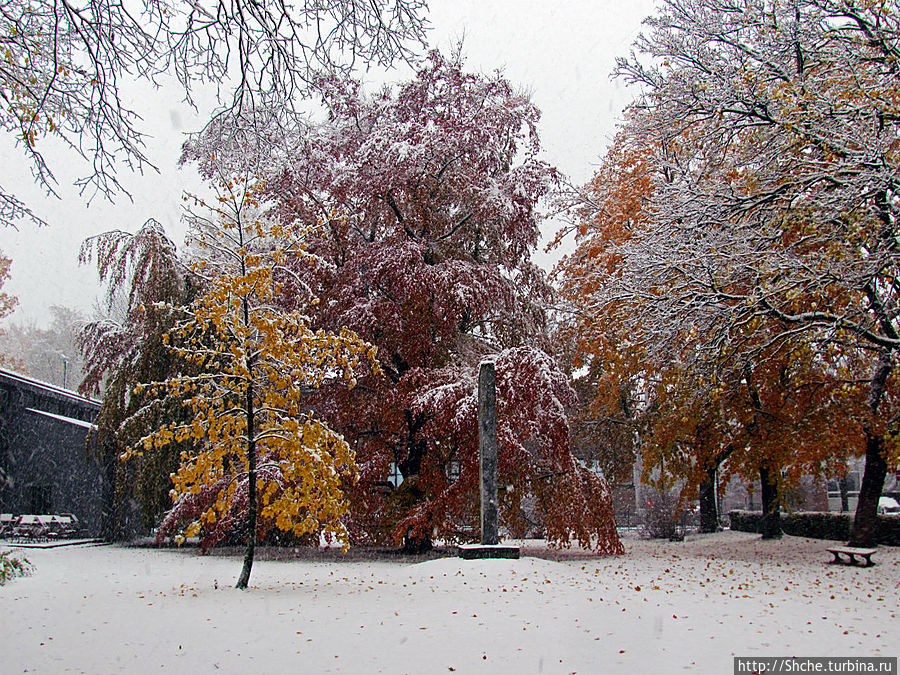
{"x":428,"y":195}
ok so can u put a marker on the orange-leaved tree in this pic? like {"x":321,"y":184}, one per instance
{"x":702,"y":381}
{"x":774,"y":412}
{"x":260,"y":456}
{"x":780,"y":198}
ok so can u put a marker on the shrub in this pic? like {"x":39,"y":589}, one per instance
{"x":660,"y":514}
{"x":818,"y":525}
{"x":744,"y":521}
{"x":11,"y":567}
{"x":889,"y":530}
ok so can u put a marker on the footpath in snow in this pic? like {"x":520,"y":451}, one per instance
{"x":663,"y":607}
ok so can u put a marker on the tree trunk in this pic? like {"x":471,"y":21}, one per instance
{"x":251,"y":496}
{"x":709,"y":512}
{"x":251,"y":471}
{"x":414,"y":543}
{"x":844,"y":487}
{"x":416,"y":447}
{"x":770,"y":525}
{"x":244,"y":579}
{"x":110,"y":522}
{"x":709,"y":509}
{"x":865,"y":522}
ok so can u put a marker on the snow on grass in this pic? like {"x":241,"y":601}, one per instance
{"x":663,"y":607}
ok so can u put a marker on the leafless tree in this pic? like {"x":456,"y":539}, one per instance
{"x":62,"y":63}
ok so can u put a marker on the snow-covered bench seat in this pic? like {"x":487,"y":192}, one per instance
{"x":852,"y":553}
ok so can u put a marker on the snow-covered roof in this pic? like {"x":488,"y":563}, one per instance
{"x":63,"y":418}
{"x":46,"y":386}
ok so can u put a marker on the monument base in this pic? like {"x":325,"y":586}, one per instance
{"x":480,"y":551}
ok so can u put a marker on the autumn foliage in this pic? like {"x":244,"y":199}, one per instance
{"x":735,"y":258}
{"x":541,"y":483}
{"x":752,"y":401}
{"x":427,"y":196}
{"x":259,"y":459}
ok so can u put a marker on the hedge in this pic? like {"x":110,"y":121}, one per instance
{"x":818,"y":525}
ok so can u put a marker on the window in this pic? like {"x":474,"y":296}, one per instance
{"x":396,"y":476}
{"x":453,"y":469}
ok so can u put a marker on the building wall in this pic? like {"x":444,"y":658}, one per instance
{"x":45,"y":466}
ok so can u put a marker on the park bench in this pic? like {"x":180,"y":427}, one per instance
{"x":852,"y":554}
{"x":45,"y":526}
{"x":30,"y":526}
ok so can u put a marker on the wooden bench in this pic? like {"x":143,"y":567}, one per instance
{"x":852,"y":553}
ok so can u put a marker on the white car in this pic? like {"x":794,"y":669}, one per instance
{"x":888,"y":505}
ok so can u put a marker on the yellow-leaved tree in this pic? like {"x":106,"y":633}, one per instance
{"x":261,"y":460}
{"x":7,"y":304}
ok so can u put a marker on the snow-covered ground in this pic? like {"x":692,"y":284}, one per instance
{"x":662,"y":608}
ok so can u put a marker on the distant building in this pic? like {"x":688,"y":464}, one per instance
{"x":843,"y":495}
{"x":45,"y":466}
{"x":809,"y":495}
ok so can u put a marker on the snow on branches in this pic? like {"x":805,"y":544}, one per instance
{"x":775,"y":130}
{"x":541,"y":482}
{"x":742,"y":233}
{"x":258,"y":452}
{"x":62,"y":62}
{"x":145,"y":281}
{"x":428,"y":198}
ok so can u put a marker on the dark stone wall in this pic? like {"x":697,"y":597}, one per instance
{"x":45,"y":465}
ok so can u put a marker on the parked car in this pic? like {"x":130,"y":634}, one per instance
{"x":888,"y":505}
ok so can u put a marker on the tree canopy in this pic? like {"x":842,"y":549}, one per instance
{"x":747,"y":214}
{"x":145,"y":281}
{"x":259,"y":458}
{"x":428,"y":194}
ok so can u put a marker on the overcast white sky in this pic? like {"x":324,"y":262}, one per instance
{"x":562,"y":52}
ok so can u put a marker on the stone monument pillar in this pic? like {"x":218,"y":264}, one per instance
{"x":487,"y":451}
